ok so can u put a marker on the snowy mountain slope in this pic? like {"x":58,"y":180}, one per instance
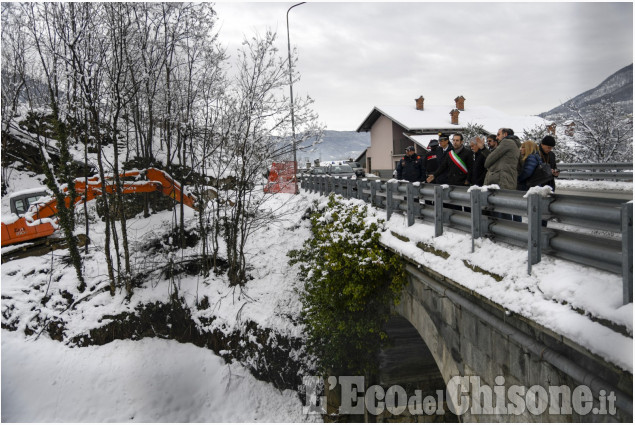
{"x":335,"y":145}
{"x":617,"y":88}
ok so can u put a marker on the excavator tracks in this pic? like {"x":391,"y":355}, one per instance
{"x":40,"y":247}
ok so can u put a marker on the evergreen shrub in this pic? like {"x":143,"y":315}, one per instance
{"x":350,"y":281}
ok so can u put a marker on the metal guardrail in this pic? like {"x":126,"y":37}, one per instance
{"x":593,"y":171}
{"x":596,"y":232}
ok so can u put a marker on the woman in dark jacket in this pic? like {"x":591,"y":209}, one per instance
{"x":529,"y":161}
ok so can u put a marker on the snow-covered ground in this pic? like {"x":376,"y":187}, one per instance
{"x":595,"y":185}
{"x":151,"y":380}
{"x":159,"y":380}
{"x":102,"y":383}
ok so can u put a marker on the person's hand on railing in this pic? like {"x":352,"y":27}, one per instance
{"x":430,"y":178}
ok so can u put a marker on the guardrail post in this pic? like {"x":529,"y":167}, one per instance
{"x":349,"y":188}
{"x":375,"y":189}
{"x":438,"y":210}
{"x":390,"y":188}
{"x":412,"y":192}
{"x":324,"y":185}
{"x":373,"y":193}
{"x":360,"y":189}
{"x":627,"y":251}
{"x":534,"y":227}
{"x":476,"y":203}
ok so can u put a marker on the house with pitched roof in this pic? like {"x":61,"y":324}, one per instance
{"x":393,"y":128}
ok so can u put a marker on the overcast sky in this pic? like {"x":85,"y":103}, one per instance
{"x":522,"y":58}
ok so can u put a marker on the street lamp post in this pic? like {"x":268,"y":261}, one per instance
{"x":295,"y":162}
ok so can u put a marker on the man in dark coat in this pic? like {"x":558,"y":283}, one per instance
{"x":478,"y":168}
{"x":411,"y":166}
{"x":445,"y":147}
{"x":546,"y":153}
{"x":457,"y":163}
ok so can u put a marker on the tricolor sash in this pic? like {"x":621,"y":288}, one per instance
{"x":458,"y":161}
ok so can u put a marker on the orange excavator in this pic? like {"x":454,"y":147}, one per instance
{"x":38,"y":222}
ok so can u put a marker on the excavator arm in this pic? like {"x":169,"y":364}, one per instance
{"x":36,"y":223}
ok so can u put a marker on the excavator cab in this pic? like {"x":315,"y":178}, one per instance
{"x":20,"y":202}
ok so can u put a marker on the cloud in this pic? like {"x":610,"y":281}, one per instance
{"x":524,"y":58}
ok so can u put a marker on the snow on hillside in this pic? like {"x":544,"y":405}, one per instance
{"x":152,"y":380}
{"x":157,"y":380}
{"x":617,"y":88}
{"x":335,"y":145}
{"x":149,"y":380}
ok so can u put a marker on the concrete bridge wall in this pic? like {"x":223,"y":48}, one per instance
{"x":469,"y":335}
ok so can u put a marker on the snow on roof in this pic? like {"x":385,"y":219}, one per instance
{"x":435,"y":117}
{"x":41,"y":189}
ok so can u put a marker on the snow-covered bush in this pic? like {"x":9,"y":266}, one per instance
{"x":349,"y":282}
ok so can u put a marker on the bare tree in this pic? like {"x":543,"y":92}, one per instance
{"x":44,"y":23}
{"x":602,"y":133}
{"x":258,"y":131}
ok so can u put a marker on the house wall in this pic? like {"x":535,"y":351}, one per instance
{"x":380,"y":150}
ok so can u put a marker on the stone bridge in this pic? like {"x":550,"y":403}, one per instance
{"x":451,"y":332}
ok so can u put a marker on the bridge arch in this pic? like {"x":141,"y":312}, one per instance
{"x":468,"y":335}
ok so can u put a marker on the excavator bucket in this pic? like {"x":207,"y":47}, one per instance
{"x":170,"y":187}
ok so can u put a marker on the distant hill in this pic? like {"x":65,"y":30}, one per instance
{"x":336,"y":145}
{"x":618,"y":88}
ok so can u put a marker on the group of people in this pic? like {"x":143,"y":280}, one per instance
{"x":505,"y":161}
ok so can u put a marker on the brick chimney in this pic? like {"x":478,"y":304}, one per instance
{"x":419,"y":103}
{"x":460,"y":103}
{"x":454,"y":113}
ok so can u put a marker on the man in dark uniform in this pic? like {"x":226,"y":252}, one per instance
{"x":431,"y":162}
{"x":411,"y":167}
